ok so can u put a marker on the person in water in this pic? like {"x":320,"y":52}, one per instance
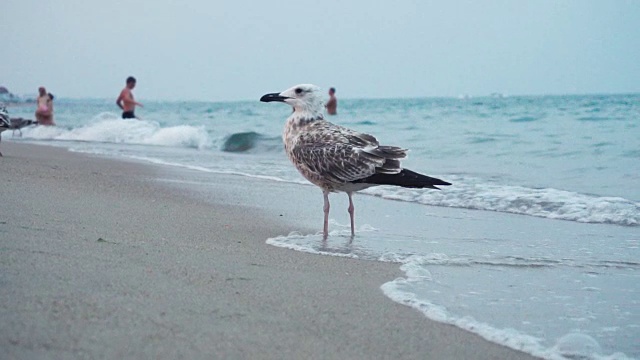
{"x":126,"y":102}
{"x":44,"y":111}
{"x":332,"y":104}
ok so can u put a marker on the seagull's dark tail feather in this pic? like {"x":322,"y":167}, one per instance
{"x":405,"y":178}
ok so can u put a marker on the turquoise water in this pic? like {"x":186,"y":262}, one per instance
{"x":561,"y":174}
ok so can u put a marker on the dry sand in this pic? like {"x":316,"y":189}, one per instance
{"x":99,"y":259}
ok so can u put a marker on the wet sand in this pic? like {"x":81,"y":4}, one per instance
{"x":110,"y":259}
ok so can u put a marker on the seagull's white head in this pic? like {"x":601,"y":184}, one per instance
{"x":304,"y":98}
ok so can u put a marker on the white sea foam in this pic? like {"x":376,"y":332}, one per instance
{"x":338,"y":243}
{"x":570,"y":346}
{"x":106,"y":129}
{"x":547,"y":203}
{"x":288,"y":242}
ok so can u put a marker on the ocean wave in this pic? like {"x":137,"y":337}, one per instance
{"x":240,"y":142}
{"x":106,"y":128}
{"x":366,"y":122}
{"x":547,"y":203}
{"x":524,"y":119}
{"x":250,"y":141}
{"x":596,"y":118}
{"x":418,"y":261}
{"x":482,"y":139}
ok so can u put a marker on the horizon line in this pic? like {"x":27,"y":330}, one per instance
{"x":494,"y":95}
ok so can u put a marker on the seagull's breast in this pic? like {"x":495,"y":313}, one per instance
{"x":304,"y":145}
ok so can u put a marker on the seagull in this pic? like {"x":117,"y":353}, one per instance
{"x":5,"y":121}
{"x":18,"y":123}
{"x":338,"y":159}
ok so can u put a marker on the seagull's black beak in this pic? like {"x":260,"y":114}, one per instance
{"x":273,"y":97}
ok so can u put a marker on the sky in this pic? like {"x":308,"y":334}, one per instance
{"x":215,"y":50}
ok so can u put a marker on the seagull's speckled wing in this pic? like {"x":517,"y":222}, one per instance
{"x":338,"y":155}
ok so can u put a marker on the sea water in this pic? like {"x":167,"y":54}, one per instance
{"x":536,"y":245}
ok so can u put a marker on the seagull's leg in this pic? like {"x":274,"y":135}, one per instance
{"x":326,"y":213}
{"x":351,"y":212}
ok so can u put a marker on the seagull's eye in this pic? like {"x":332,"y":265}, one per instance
{"x":298,"y":91}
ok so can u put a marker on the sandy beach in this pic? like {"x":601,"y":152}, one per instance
{"x":109,"y":259}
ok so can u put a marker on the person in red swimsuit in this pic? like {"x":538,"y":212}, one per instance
{"x":44,"y":112}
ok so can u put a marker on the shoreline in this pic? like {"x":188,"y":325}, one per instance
{"x":105,"y":258}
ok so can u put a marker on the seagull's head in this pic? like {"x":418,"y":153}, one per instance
{"x":303,"y":98}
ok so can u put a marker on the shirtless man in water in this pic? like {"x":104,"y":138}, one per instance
{"x":332,"y":104}
{"x":44,"y":112}
{"x":126,"y":102}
